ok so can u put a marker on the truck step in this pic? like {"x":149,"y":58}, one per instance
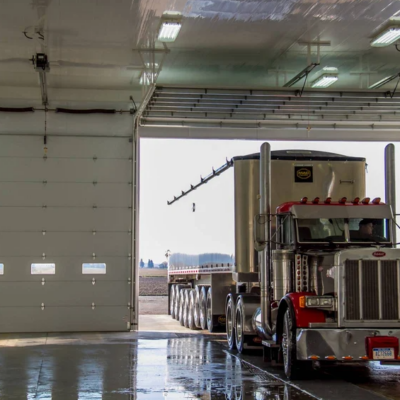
{"x":271,"y":344}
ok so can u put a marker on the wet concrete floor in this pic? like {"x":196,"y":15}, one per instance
{"x":149,"y":365}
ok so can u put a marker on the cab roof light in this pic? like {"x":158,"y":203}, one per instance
{"x":364,"y":358}
{"x":343,"y":200}
{"x":316,"y":200}
{"x":356,"y":200}
{"x":314,"y":358}
{"x":347,"y":358}
{"x":376,"y":200}
{"x":328,"y":200}
{"x":330,"y":358}
{"x":365,"y":200}
{"x":304,"y":200}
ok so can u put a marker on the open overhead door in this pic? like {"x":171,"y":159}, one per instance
{"x":65,"y":234}
{"x":282,"y":114}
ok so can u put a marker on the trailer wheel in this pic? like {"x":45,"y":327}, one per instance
{"x":210,"y":322}
{"x":203,"y":310}
{"x":230,"y":323}
{"x":172,"y":301}
{"x":186,"y":308}
{"x":239,"y":328}
{"x":181,"y":305}
{"x":196,"y":307}
{"x":190,"y":318}
{"x":288,"y":346}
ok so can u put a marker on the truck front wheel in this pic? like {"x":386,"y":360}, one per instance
{"x":288,"y":346}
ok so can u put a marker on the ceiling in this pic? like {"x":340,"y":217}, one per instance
{"x":97,"y":48}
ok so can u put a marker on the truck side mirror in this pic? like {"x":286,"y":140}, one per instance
{"x":259,"y":228}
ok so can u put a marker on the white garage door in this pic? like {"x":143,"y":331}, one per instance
{"x":65,"y":234}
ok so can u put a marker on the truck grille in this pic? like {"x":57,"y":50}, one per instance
{"x":372,"y":290}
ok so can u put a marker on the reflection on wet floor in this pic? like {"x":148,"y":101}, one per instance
{"x":199,"y":369}
{"x":134,"y":367}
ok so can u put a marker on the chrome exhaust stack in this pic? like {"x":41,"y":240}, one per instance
{"x":262,"y":317}
{"x":390,"y":184}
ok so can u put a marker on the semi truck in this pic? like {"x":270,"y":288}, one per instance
{"x":315,"y":277}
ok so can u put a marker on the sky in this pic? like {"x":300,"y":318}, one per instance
{"x":168,"y":166}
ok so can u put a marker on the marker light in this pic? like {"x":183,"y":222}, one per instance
{"x":365,"y":200}
{"x":386,"y":37}
{"x":304,"y":200}
{"x":314,"y":358}
{"x":330,"y":358}
{"x":316,"y":200}
{"x":347,"y":358}
{"x":343,"y":200}
{"x":356,"y":200}
{"x":328,"y":200}
{"x":376,"y":200}
{"x":302,"y":302}
{"x":364,"y":358}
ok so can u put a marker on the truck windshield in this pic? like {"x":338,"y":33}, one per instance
{"x":342,"y":230}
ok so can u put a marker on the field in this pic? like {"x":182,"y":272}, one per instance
{"x":153,"y":282}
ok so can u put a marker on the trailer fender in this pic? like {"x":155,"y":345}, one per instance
{"x":302,"y":316}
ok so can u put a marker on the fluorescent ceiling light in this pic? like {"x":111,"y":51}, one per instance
{"x":383,"y":81}
{"x":386,"y":37}
{"x":324,"y":81}
{"x":169,"y":31}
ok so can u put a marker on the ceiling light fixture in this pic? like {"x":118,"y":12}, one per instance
{"x":386,"y":37}
{"x":170,"y":26}
{"x":328,"y":77}
{"x":301,"y":75}
{"x":383,"y":81}
{"x":387,"y":33}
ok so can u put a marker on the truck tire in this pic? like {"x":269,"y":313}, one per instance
{"x":172,"y":301}
{"x":196,"y":310}
{"x":288,"y":346}
{"x":239,"y":321}
{"x":230,"y":322}
{"x":203,"y":308}
{"x":210,"y":322}
{"x":186,"y":308}
{"x":192,"y":301}
{"x":181,"y":305}
{"x":177,"y":298}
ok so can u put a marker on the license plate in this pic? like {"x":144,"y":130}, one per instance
{"x":383,"y":354}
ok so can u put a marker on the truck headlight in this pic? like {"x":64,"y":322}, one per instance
{"x":319,"y":301}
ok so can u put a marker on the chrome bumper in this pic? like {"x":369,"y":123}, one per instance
{"x":336,"y":342}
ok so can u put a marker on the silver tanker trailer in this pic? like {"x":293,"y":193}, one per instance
{"x":315,"y":276}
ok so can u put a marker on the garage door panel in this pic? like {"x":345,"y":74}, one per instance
{"x":66,"y":268}
{"x":20,"y":146}
{"x":22,"y":169}
{"x":70,"y":219}
{"x":86,"y":147}
{"x":88,"y":170}
{"x":65,"y":194}
{"x":63,"y":319}
{"x":64,"y":294}
{"x":65,"y":170}
{"x":62,"y":244}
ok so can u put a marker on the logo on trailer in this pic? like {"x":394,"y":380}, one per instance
{"x":303,"y":173}
{"x":379,"y":254}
